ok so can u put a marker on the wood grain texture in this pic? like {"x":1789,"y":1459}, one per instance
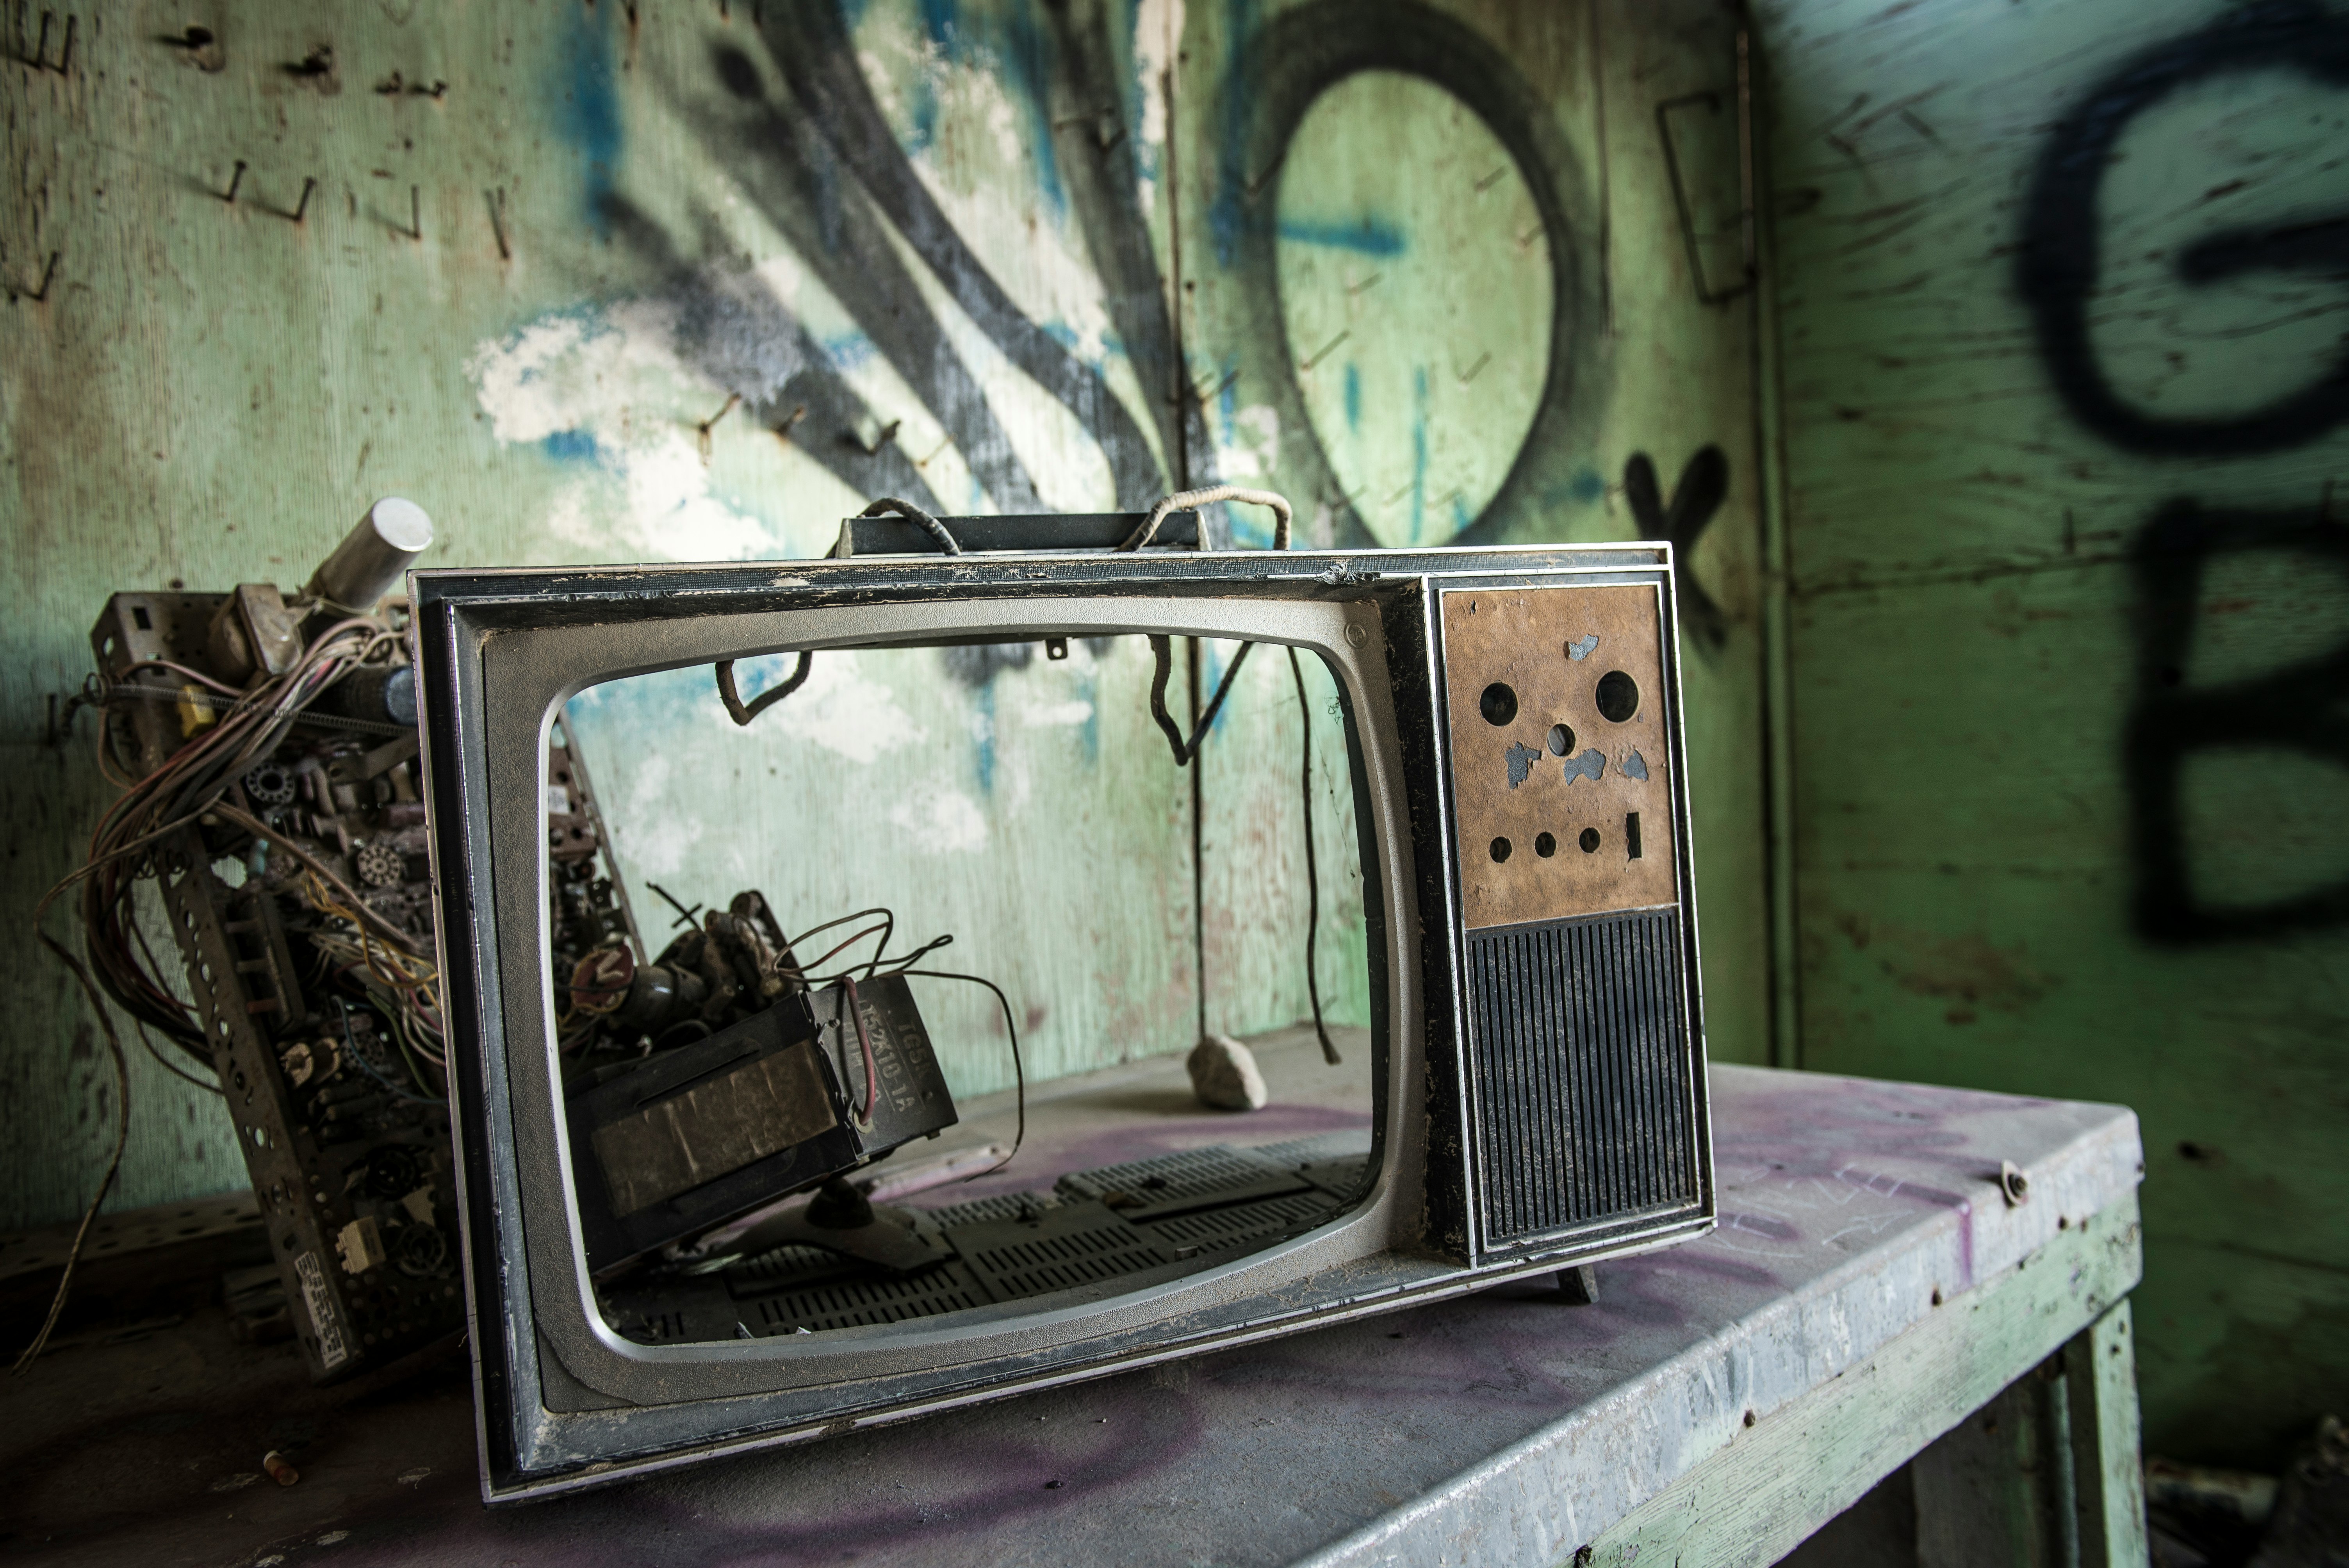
{"x":1252,"y":851}
{"x":2069,"y":614}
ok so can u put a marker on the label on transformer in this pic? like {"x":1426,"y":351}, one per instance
{"x":332,"y":1351}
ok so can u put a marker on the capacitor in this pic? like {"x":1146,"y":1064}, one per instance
{"x":659,"y":995}
{"x":369,"y":562}
{"x":380,"y":693}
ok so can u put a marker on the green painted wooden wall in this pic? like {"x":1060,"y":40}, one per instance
{"x":1420,"y":266}
{"x":2059,"y":313}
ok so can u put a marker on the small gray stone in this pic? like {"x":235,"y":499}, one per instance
{"x":1224,"y":1074}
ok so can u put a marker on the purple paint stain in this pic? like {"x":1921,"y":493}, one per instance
{"x":1895,"y":1187}
{"x":1762,"y":1226}
{"x":1690,"y":1260}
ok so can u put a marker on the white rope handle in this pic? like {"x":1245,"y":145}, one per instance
{"x":1281,"y":510}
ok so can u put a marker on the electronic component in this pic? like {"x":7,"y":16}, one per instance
{"x":804,"y":1089}
{"x":273,"y":739}
{"x":1520,"y":787}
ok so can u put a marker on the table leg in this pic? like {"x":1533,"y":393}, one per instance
{"x":2047,"y":1474}
{"x":2100,"y":1382}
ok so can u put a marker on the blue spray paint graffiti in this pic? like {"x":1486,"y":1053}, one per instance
{"x":1370,"y":237}
{"x":1007,"y":46}
{"x":1089,"y":692}
{"x":571,"y":446}
{"x":1418,"y":453}
{"x":589,"y":114}
{"x":982,"y":730}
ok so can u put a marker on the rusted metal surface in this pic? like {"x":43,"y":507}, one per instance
{"x":1560,"y":752}
{"x":1506,"y":1427}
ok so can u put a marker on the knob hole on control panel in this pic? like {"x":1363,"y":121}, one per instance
{"x":1498,"y":705}
{"x":1546,"y":845}
{"x":1619,"y":697}
{"x":1500,"y":850}
{"x":1561,"y":740}
{"x":1590,"y":840}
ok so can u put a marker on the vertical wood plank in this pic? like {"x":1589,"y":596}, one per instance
{"x":2107,"y":1457}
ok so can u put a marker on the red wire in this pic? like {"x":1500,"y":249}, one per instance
{"x":842,"y":948}
{"x":871,"y":1085}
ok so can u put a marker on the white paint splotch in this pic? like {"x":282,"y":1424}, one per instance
{"x":842,"y":709}
{"x":616,"y":392}
{"x":948,"y":822}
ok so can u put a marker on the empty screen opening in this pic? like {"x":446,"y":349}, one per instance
{"x":791,"y":957}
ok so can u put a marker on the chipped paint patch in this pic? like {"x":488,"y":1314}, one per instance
{"x":1635,"y":766}
{"x":1522,"y":759}
{"x":1590,"y":765}
{"x":1967,"y":971}
{"x":1250,"y":447}
{"x":1157,"y":33}
{"x":1056,"y":714}
{"x":1582,"y":647}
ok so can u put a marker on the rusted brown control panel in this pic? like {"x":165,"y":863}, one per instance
{"x":1561,"y":751}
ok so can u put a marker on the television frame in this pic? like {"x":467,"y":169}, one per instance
{"x":562,"y":1401}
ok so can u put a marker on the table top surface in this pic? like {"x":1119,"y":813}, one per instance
{"x":1850,"y":1211}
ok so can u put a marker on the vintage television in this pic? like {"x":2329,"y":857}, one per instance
{"x":1535,"y":1088}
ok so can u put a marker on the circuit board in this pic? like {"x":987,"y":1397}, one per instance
{"x":301,"y":906}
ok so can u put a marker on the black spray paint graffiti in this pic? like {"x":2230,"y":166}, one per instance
{"x":809,"y":146}
{"x":1704,"y":484}
{"x":2295,"y":707}
{"x":2061,"y":251}
{"x":1275,"y":75}
{"x":802,"y":130}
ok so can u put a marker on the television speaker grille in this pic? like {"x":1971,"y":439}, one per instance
{"x":1579,"y":1046}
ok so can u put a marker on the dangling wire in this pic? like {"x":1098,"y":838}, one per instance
{"x":113,"y":1165}
{"x":1312,"y":872}
{"x":872,"y":1076}
{"x":1160,"y":651}
{"x":1019,"y":1072}
{"x":1185,"y":750}
{"x":740,"y":713}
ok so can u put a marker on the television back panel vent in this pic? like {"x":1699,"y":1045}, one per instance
{"x":1579,"y":1041}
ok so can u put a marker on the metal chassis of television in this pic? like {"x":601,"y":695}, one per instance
{"x":563,"y":1402}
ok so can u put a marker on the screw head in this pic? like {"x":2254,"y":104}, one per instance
{"x":2013,"y":1184}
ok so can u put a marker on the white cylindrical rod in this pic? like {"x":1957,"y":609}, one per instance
{"x":369,"y":562}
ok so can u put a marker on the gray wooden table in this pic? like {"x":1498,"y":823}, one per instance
{"x":1870,"y":1287}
